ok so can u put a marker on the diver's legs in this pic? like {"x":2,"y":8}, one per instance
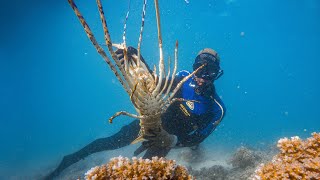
{"x":122,"y":138}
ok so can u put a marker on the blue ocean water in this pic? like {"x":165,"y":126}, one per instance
{"x":56,"y":92}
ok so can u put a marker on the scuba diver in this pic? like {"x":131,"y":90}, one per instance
{"x":196,"y":119}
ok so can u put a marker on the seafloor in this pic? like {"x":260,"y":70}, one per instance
{"x":204,"y":163}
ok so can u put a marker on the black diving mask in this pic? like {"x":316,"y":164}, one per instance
{"x":211,"y":70}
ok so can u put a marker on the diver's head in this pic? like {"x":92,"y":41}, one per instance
{"x":210,"y":72}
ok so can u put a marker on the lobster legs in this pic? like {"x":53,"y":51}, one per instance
{"x":151,"y":93}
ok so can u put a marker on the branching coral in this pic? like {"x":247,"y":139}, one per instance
{"x":297,"y":160}
{"x":139,"y":169}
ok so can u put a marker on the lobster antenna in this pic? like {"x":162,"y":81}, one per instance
{"x":161,"y":61}
{"x":141,"y":29}
{"x":125,"y":25}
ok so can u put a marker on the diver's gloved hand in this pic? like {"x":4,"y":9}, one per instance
{"x":130,"y":51}
{"x":160,"y":139}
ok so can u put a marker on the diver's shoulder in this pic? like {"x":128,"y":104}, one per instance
{"x":183,"y":73}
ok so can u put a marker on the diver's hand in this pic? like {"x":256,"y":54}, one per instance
{"x":161,"y":139}
{"x":130,"y":51}
{"x":169,"y":141}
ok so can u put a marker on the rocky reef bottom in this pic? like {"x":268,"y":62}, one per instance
{"x":203,"y":163}
{"x":239,"y":166}
{"x":292,"y":158}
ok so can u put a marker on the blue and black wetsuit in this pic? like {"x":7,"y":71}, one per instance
{"x":190,"y":121}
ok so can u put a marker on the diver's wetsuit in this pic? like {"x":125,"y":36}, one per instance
{"x":190,"y":121}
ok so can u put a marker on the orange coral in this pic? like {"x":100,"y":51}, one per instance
{"x":139,"y":169}
{"x":297,"y":160}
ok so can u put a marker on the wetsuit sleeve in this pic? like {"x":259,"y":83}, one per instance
{"x":178,"y":77}
{"x":203,"y":132}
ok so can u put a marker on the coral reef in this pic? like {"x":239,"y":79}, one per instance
{"x":123,"y":168}
{"x":297,"y":159}
{"x":215,"y":172}
{"x":243,"y":164}
{"x":244,"y":158}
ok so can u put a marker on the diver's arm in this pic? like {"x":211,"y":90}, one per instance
{"x":175,"y":82}
{"x":131,"y":52}
{"x":178,"y":77}
{"x":196,"y":137}
{"x":203,"y":132}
